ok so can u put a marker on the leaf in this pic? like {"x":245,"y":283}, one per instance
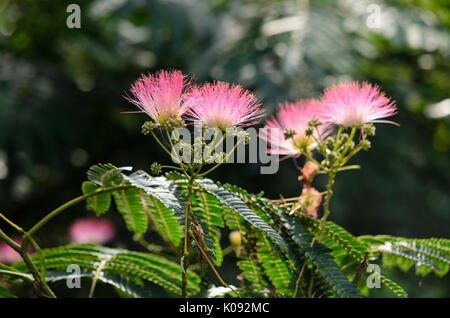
{"x":426,"y":254}
{"x":338,"y":239}
{"x":163,"y":218}
{"x":128,"y":202}
{"x":394,"y":287}
{"x":106,"y":175}
{"x":209,"y":213}
{"x":123,"y":263}
{"x":236,"y":204}
{"x":124,"y":284}
{"x":274,"y":267}
{"x":99,"y":203}
{"x":320,"y":256}
{"x":161,"y":188}
{"x":252,"y":272}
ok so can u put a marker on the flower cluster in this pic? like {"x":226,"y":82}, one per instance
{"x":169,"y":96}
{"x":302,"y":126}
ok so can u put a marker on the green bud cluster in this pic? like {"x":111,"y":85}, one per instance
{"x":172,"y":124}
{"x":314,"y":122}
{"x":289,"y":133}
{"x":365,"y":145}
{"x":368,"y":129}
{"x":156,"y":169}
{"x":243,"y":137}
{"x":147,"y":127}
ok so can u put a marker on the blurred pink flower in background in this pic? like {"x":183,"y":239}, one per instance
{"x":8,"y":255}
{"x":91,"y":230}
{"x":221,"y":105}
{"x":292,"y":116}
{"x":160,"y":95}
{"x":355,"y":104}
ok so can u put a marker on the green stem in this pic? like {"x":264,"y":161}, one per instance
{"x":326,"y":204}
{"x":207,"y":259}
{"x":23,"y":252}
{"x":186,"y":245}
{"x":338,"y":137}
{"x":70,"y":203}
{"x":299,"y":279}
{"x":25,"y":277}
{"x":350,"y":138}
{"x":220,"y":163}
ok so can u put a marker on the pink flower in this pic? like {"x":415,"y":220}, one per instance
{"x":8,"y":255}
{"x":293,"y":116}
{"x":310,"y":201}
{"x":91,"y":230}
{"x":356,"y":104}
{"x":160,"y":95}
{"x":221,"y":106}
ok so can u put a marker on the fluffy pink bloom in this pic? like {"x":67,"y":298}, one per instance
{"x":91,"y":230}
{"x":8,"y":255}
{"x":221,"y":106}
{"x":294,"y":116}
{"x":160,"y":95}
{"x":356,"y":104}
{"x":310,"y":201}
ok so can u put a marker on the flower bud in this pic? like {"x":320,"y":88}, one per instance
{"x":314,"y":122}
{"x":156,"y":168}
{"x":331,"y":156}
{"x":308,"y":131}
{"x":147,"y":127}
{"x":289,"y":133}
{"x":369,"y":129}
{"x":344,"y":138}
{"x":365,"y":145}
{"x":243,"y":137}
{"x":330,"y":142}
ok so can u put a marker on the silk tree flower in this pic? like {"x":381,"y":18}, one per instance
{"x":91,"y":230}
{"x":355,"y":104}
{"x":221,"y":105}
{"x":8,"y":255}
{"x":293,"y":116}
{"x":310,"y":201}
{"x":160,"y":95}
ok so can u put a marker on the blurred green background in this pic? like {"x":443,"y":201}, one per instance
{"x":61,"y":98}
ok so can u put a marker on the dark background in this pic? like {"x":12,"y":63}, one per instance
{"x":61,"y":98}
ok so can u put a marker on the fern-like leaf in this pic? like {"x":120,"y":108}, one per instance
{"x":123,"y":263}
{"x":236,"y":204}
{"x":99,"y":203}
{"x":128,"y":202}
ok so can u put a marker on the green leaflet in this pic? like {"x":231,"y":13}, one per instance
{"x":338,"y":239}
{"x":320,"y":256}
{"x":161,"y":188}
{"x":127,"y":285}
{"x":209,"y":212}
{"x":128,"y":202}
{"x":252,"y":272}
{"x":394,"y":287}
{"x":236,"y":204}
{"x":106,"y":175}
{"x":163,"y":218}
{"x":118,"y":262}
{"x":98,"y":204}
{"x":274,"y":267}
{"x":426,"y":254}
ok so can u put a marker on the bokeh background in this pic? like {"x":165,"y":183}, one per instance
{"x":61,"y":98}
